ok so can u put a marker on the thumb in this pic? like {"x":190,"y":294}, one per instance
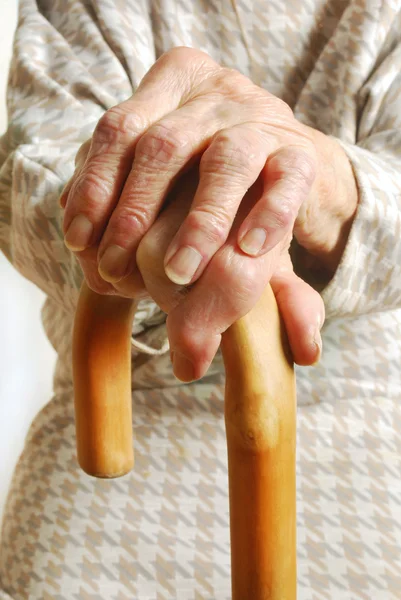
{"x":303,"y":313}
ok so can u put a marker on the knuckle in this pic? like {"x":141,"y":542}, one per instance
{"x":92,"y":190}
{"x":129,"y":220}
{"x":178,"y":54}
{"x":294,"y":169}
{"x":300,"y":166}
{"x":284,"y":216}
{"x":185,"y":58}
{"x":282,"y":108}
{"x":170,"y":57}
{"x":186,"y":334}
{"x":185,"y":341}
{"x":226,"y":156}
{"x":237,"y":284}
{"x":116,"y":123}
{"x":160,"y":146}
{"x":182,"y":67}
{"x":212,"y":222}
{"x":305,"y":166}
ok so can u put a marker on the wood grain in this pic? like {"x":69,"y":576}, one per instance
{"x":260,"y":417}
{"x":102,"y":383}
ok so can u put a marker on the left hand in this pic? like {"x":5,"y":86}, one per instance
{"x":229,"y":288}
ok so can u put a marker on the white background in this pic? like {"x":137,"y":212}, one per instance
{"x":26,"y":357}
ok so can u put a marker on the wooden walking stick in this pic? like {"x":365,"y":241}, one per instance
{"x":101,"y":361}
{"x":260,"y":411}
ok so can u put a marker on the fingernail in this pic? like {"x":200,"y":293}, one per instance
{"x":114,"y":263}
{"x":183,"y":367}
{"x":183,"y":266}
{"x":79,"y":233}
{"x":253,"y":241}
{"x":317,"y":338}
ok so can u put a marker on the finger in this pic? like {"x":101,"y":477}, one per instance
{"x":88,"y":263}
{"x":134,"y":286}
{"x":221,"y":297}
{"x":163,"y":153}
{"x":80,"y":159}
{"x":131,"y":287}
{"x":228,"y":168}
{"x":230,"y":286}
{"x":96,"y":189}
{"x":288,"y":175}
{"x":97,"y":186}
{"x":171,"y":297}
{"x":302,"y":309}
{"x":153,"y":246}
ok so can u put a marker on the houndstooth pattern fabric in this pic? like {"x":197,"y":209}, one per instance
{"x":162,"y":531}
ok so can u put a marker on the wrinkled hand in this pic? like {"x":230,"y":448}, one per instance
{"x":229,"y":287}
{"x":189,"y":109}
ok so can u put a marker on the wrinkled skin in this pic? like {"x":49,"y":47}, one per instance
{"x":174,"y":178}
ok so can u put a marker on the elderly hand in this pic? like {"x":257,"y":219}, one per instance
{"x":186,"y":109}
{"x":229,"y":288}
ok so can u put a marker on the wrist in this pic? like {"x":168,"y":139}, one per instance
{"x":325,"y":220}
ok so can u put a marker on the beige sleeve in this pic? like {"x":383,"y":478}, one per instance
{"x":68,"y":67}
{"x":368,"y":278}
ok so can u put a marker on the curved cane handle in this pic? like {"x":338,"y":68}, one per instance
{"x":260,"y":412}
{"x":101,"y":361}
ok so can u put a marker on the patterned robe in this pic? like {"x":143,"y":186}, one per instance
{"x":161,"y":532}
